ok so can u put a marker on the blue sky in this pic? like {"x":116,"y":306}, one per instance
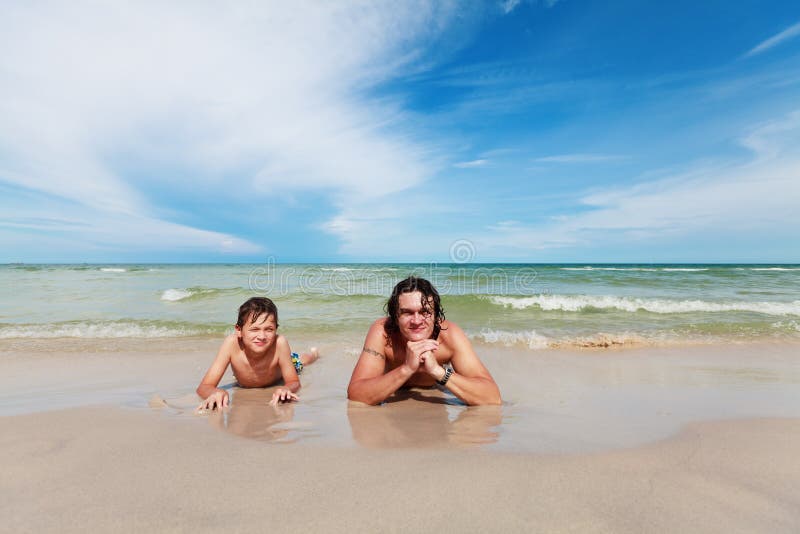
{"x":522,"y":131}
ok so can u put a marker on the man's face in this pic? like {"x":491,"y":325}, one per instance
{"x":259,"y":333}
{"x":415,"y":323}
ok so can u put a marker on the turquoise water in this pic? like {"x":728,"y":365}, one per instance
{"x":531,"y":306}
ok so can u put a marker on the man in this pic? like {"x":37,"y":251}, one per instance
{"x":411,"y":346}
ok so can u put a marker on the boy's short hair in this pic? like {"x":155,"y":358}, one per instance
{"x":429,"y":296}
{"x":255,"y":308}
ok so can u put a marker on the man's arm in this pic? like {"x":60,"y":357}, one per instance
{"x":207,"y":390}
{"x":291,"y":382}
{"x":370,"y":383}
{"x":471,"y":381}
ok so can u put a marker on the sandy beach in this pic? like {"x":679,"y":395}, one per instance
{"x":103,"y":435}
{"x":595,"y":203}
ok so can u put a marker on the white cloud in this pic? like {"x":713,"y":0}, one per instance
{"x":392,"y":228}
{"x":726,"y":202}
{"x":509,"y":5}
{"x":580,"y":158}
{"x":70,"y":230}
{"x":270,"y":93}
{"x":471,"y":164}
{"x":775,"y":138}
{"x":753,"y":199}
{"x":775,"y":40}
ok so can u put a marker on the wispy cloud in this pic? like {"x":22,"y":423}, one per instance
{"x":498,"y":152}
{"x":580,"y":158}
{"x":772,"y":139}
{"x":71,"y":232}
{"x":103,"y":105}
{"x":722,"y":202}
{"x":509,"y":5}
{"x":775,"y":40}
{"x":726,"y":201}
{"x":471,"y":164}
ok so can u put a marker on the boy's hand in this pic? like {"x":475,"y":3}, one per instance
{"x":282,"y":395}
{"x":218,"y":399}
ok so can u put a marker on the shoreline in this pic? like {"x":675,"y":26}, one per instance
{"x":588,"y":344}
{"x":583,"y":400}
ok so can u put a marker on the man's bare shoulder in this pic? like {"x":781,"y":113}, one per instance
{"x":451,"y":332}
{"x":376,"y":336}
{"x":376,"y":329}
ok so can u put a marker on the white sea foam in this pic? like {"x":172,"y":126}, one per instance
{"x":787,"y":325}
{"x":113,"y":270}
{"x":174,"y":295}
{"x":775,"y":268}
{"x":534,"y":341}
{"x":575,"y":303}
{"x":637,"y":269}
{"x":506,"y":338}
{"x":608,"y":269}
{"x":97,"y":330}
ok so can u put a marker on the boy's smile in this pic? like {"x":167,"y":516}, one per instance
{"x":258,"y":335}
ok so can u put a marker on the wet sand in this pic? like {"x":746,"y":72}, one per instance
{"x":104,"y":436}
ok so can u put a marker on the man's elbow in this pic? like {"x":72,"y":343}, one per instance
{"x":491,"y":396}
{"x":355,"y":393}
{"x":494,"y":400}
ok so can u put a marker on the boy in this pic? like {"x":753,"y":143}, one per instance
{"x":258,"y":356}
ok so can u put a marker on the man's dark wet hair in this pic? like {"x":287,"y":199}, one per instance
{"x":255,"y":308}
{"x":429,"y":297}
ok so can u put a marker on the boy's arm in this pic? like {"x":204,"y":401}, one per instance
{"x":291,"y":382}
{"x":370,"y":383}
{"x":208,"y":390}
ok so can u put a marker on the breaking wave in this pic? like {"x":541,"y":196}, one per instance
{"x":577,"y":303}
{"x":196,"y":293}
{"x":109,"y":330}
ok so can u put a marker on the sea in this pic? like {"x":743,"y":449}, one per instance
{"x":527,"y":306}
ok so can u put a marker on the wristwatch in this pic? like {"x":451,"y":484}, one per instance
{"x":447,"y":372}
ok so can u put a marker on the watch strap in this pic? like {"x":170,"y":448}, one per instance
{"x":447,"y":372}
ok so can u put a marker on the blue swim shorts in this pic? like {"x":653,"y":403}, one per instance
{"x":298,"y":365}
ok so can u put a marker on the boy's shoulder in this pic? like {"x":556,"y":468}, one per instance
{"x":231,"y":343}
{"x":281,"y":341}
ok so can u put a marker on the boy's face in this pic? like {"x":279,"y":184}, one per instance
{"x":258,"y":333}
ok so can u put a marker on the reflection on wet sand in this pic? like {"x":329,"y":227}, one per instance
{"x":251,"y":416}
{"x":421,"y":418}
